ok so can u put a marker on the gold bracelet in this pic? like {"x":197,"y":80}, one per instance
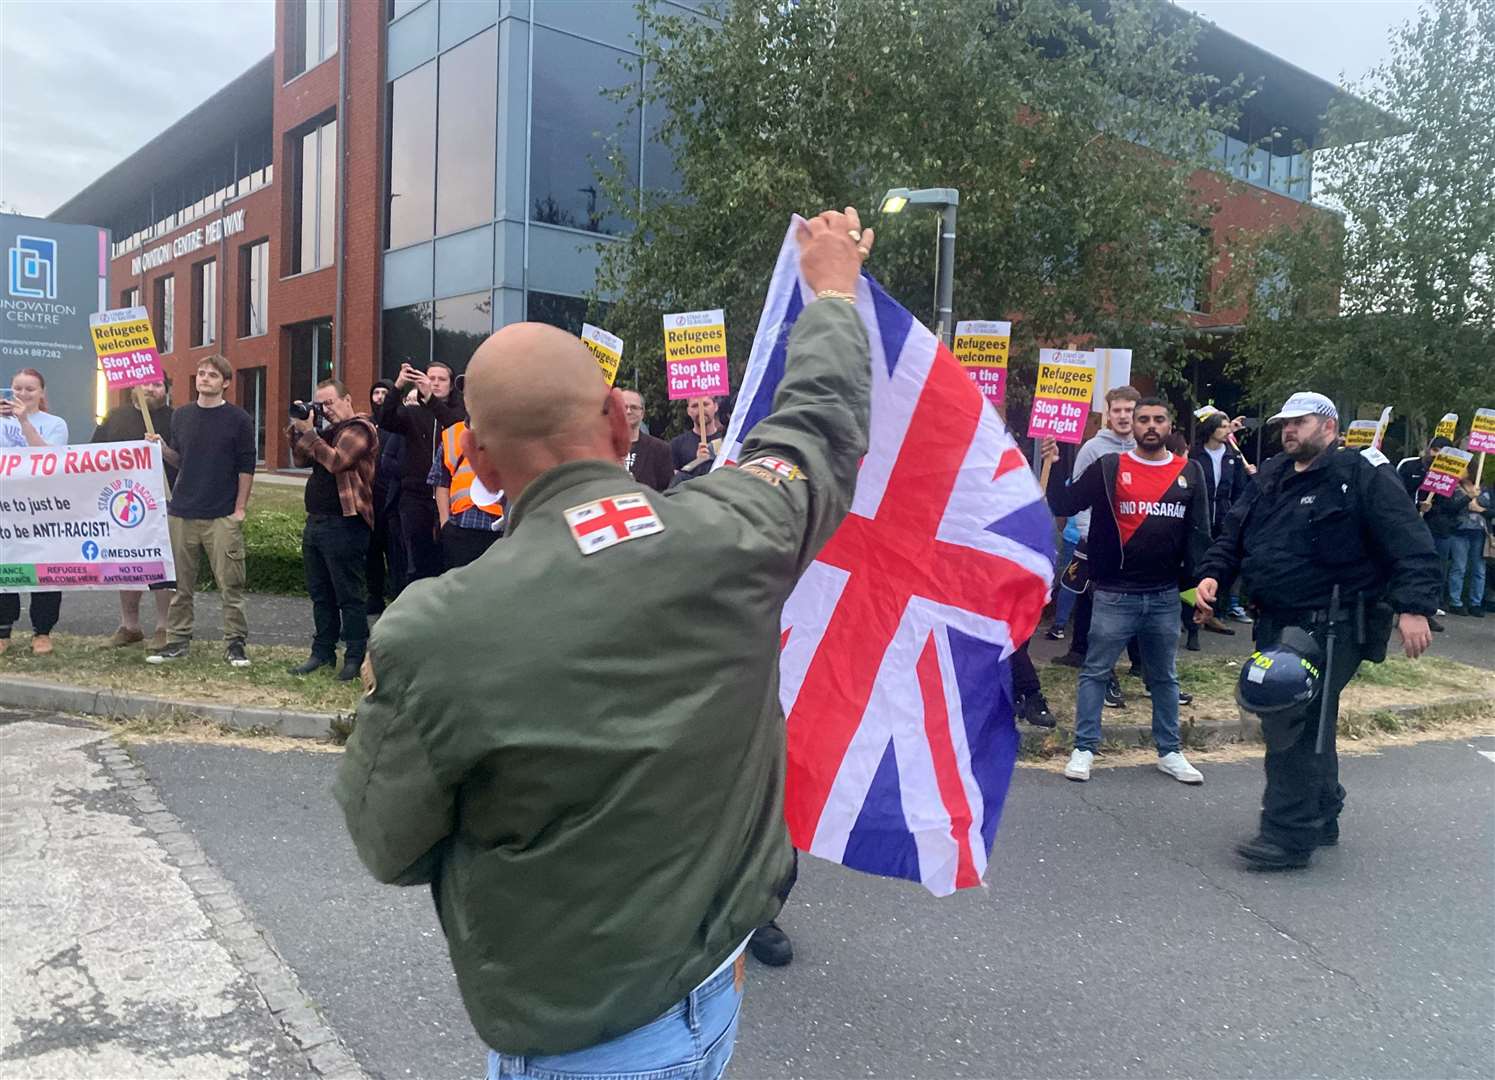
{"x":835,"y":294}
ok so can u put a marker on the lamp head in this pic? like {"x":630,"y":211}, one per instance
{"x":895,"y":200}
{"x":926,"y":198}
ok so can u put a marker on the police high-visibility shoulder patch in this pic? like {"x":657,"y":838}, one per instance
{"x":785,"y":470}
{"x":366,"y":672}
{"x":604,"y":523}
{"x":1374,"y":456}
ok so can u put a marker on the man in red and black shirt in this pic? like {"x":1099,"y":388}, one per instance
{"x":1149,"y":530}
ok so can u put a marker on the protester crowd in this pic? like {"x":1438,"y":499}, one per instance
{"x":390,"y":498}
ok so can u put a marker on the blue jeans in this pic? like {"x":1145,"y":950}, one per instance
{"x":1153,"y":618}
{"x":1466,"y":559}
{"x":1064,"y":600}
{"x":692,"y":1041}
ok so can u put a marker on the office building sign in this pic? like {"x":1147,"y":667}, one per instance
{"x":211,"y":233}
{"x":55,"y":277}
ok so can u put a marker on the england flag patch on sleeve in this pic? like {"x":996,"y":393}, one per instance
{"x":602,"y":523}
{"x":775,"y":466}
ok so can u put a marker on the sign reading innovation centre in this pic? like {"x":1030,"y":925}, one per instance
{"x":55,"y":277}
{"x":188,"y":242}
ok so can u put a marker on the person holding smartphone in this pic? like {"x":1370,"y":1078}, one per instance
{"x":25,"y":421}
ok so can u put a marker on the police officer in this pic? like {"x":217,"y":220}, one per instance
{"x":593,"y":783}
{"x":1320,"y":519}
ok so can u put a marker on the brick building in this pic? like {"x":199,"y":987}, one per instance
{"x":399,"y":177}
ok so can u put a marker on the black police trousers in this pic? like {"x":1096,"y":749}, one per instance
{"x":1303,"y":792}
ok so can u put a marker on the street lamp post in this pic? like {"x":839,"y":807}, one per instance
{"x":945,"y":201}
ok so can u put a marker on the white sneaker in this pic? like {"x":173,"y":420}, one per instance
{"x":1079,"y":765}
{"x":1178,"y":767}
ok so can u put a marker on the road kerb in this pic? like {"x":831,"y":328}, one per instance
{"x":88,"y":701}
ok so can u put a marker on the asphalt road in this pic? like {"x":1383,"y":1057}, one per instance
{"x":1118,"y":936}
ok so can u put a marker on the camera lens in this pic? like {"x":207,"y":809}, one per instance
{"x":298,"y":411}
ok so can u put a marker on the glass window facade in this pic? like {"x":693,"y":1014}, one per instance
{"x":462,"y":324}
{"x":466,"y":124}
{"x":231,"y":170}
{"x":311,"y":357}
{"x":314,"y":213}
{"x":1289,"y":174}
{"x":566,"y":312}
{"x":313,"y":29}
{"x":164,"y":313}
{"x":411,"y":180}
{"x":400,"y":7}
{"x":254,"y":288}
{"x":574,"y":123}
{"x":205,"y":303}
{"x":252,"y":383}
{"x":406,"y":338}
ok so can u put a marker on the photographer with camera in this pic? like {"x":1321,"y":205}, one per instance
{"x":342,"y":447}
{"x":436,"y":408}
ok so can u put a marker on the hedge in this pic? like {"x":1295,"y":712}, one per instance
{"x":272,"y":546}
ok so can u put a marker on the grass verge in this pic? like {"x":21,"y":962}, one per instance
{"x":1399,"y":695}
{"x":202,"y":677}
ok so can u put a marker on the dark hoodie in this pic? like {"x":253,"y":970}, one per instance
{"x":421,"y":426}
{"x":391,"y":457}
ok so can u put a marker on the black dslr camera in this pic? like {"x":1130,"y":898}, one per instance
{"x":304,"y":411}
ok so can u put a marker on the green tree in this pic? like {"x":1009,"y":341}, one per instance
{"x":1070,"y":130}
{"x":1393,"y":304}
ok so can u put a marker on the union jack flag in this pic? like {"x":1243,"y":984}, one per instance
{"x":894,"y":673}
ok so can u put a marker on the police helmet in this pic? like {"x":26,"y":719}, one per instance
{"x":1283,"y":676}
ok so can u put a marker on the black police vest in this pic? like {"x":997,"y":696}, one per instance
{"x":1305,"y":534}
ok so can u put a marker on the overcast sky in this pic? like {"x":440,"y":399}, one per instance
{"x":83,"y":83}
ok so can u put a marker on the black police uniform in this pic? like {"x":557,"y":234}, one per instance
{"x":1345,"y":520}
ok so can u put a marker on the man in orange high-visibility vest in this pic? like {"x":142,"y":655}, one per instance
{"x":471,"y":516}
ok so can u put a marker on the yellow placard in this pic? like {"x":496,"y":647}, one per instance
{"x":116,"y":337}
{"x":607,"y":348}
{"x":1448,"y":427}
{"x":1070,"y":382}
{"x":1360,"y":434}
{"x":695,"y":342}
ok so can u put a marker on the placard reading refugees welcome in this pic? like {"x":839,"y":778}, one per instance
{"x":1482,"y":432}
{"x":695,"y":354}
{"x":1360,"y":434}
{"x":982,"y":349}
{"x":126,"y":347}
{"x":1446,"y":471}
{"x":607,"y":348}
{"x":1061,"y":401}
{"x":83,"y":517}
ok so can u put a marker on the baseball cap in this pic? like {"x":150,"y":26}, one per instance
{"x":1306,"y":404}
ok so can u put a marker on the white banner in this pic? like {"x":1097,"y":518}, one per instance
{"x":83,"y":517}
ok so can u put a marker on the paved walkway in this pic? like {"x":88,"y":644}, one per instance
{"x":112,"y":968}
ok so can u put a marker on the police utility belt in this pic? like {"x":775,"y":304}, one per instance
{"x":1365,"y":620}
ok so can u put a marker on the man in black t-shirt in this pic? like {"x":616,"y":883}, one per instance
{"x":648,"y":458}
{"x":126,"y":424}
{"x":212,"y":444}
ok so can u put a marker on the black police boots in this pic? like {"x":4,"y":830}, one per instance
{"x":352,"y":664}
{"x":770,"y":945}
{"x":1261,"y":854}
{"x":311,"y":663}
